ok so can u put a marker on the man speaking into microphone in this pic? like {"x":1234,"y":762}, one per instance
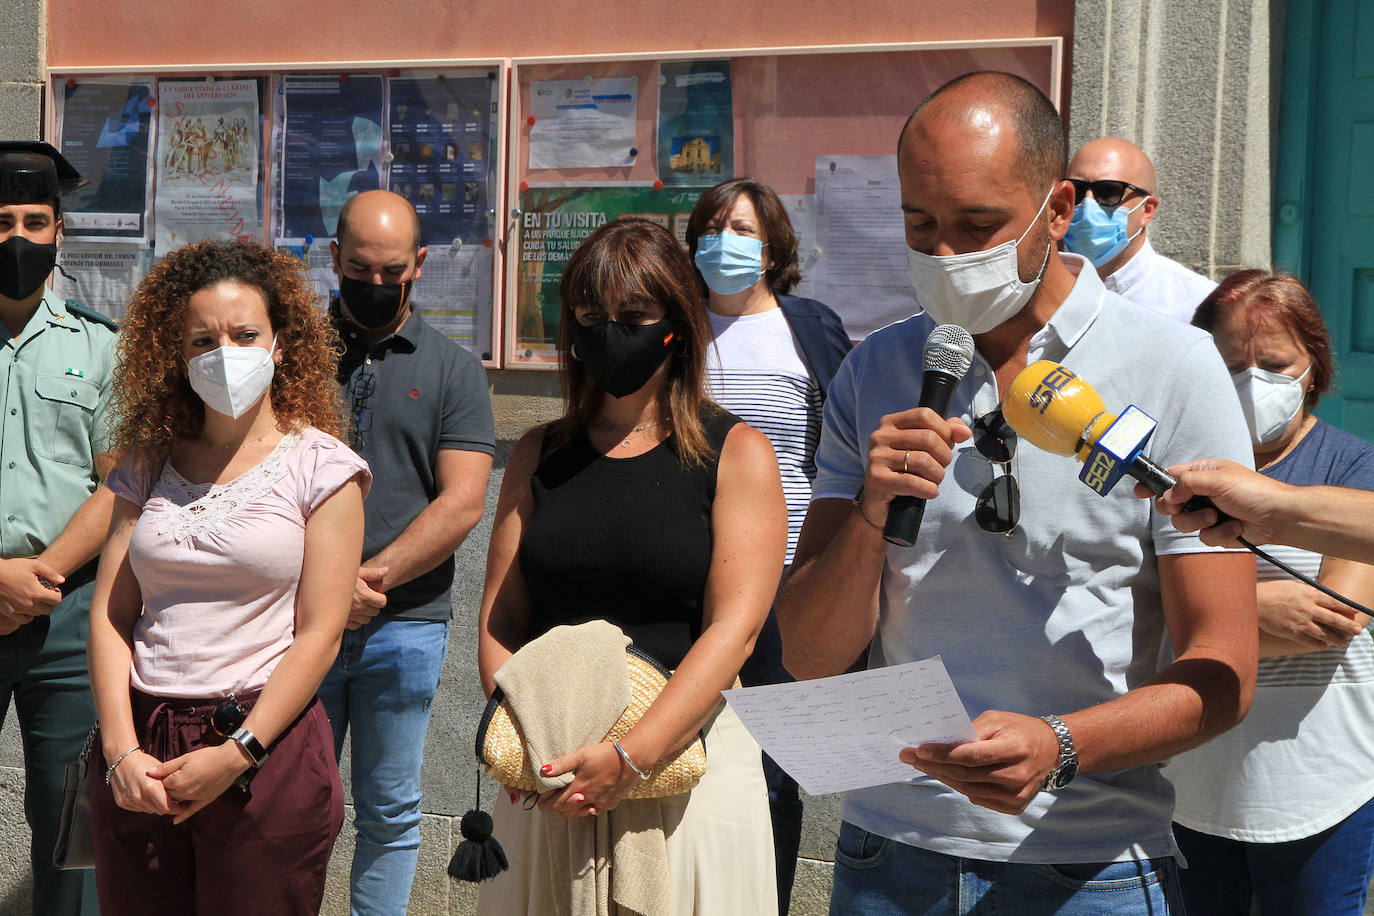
{"x":1051,"y":606}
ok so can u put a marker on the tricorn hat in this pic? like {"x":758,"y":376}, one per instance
{"x":32,"y":171}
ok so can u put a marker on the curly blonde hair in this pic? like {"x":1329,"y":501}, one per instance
{"x":152,"y":405}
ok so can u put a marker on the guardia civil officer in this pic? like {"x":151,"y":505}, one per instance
{"x":56,"y":359}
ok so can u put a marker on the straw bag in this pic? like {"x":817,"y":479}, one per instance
{"x":501,"y":746}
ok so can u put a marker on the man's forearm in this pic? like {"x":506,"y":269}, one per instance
{"x":827,"y":609}
{"x":81,"y":540}
{"x":1192,"y":700}
{"x":430,"y":539}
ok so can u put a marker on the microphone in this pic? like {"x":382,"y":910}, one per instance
{"x":1057,"y":411}
{"x":948,"y":355}
{"x":1061,"y":413}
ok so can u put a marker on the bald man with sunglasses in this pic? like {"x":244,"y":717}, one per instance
{"x":1114,"y":201}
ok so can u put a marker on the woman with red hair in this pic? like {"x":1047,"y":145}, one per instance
{"x":1281,"y":808}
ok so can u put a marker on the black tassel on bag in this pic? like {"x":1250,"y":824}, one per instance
{"x":479,"y":856}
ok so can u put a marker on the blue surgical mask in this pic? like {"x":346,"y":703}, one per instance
{"x":1099,"y":234}
{"x":729,"y":263}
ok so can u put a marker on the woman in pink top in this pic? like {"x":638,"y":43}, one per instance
{"x":222,"y":593}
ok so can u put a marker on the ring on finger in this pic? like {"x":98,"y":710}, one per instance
{"x":906,"y":457}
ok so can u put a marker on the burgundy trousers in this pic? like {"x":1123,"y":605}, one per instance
{"x":261,"y":852}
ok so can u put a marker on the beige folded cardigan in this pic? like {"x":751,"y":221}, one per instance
{"x":566,"y":689}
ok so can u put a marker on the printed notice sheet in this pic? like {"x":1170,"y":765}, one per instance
{"x":862,"y":272}
{"x":801,"y":211}
{"x":840,"y":733}
{"x":102,"y":275}
{"x":583,"y":123}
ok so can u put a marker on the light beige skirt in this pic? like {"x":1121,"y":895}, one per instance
{"x":719,"y":839}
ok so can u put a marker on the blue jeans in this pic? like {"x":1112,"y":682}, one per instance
{"x":1327,"y":873}
{"x":382,"y":686}
{"x":875,"y":876}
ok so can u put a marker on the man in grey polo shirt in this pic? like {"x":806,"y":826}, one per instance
{"x":1064,"y":615}
{"x":421,"y":416}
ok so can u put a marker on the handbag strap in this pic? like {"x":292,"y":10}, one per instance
{"x":89,"y":743}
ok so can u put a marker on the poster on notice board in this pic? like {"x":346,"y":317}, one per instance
{"x":553,"y":222}
{"x":208,"y":154}
{"x":106,"y":131}
{"x":331,"y":148}
{"x":696,"y":123}
{"x":439,"y":145}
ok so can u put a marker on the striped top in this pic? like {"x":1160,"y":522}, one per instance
{"x":755,"y":370}
{"x":1303,"y":758}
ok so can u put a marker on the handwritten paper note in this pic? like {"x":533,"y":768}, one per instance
{"x":844,"y":732}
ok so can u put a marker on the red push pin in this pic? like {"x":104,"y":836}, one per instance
{"x":486,"y":243}
{"x":343,"y":78}
{"x":658,"y":185}
{"x":71,"y":82}
{"x":152,"y":101}
{"x":530,"y":120}
{"x":524,"y":185}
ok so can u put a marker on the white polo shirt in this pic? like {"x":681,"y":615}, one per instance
{"x":1064,"y":614}
{"x":1160,"y":283}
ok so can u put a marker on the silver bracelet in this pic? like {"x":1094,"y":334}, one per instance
{"x":643,"y":776}
{"x":120,"y":759}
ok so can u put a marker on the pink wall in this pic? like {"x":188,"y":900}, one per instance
{"x":95,"y":33}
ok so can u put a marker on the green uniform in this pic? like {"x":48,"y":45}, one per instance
{"x":54,"y":384}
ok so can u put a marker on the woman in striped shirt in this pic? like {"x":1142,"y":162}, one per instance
{"x":772,"y":360}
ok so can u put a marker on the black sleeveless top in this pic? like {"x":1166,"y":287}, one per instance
{"x":626,"y":540}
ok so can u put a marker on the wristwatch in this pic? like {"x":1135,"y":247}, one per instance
{"x":250,"y":743}
{"x":1067,"y":768}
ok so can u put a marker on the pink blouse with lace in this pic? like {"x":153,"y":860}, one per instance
{"x":219,"y":564}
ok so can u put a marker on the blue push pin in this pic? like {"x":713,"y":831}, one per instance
{"x":309,"y":240}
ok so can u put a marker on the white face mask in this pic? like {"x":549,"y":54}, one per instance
{"x":978,"y":290}
{"x":230,"y":380}
{"x":1270,"y":401}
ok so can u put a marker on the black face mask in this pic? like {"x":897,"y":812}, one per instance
{"x":622,"y":357}
{"x":24,"y":265}
{"x":373,"y":305}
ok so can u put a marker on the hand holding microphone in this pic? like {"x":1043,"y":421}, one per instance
{"x":1239,"y":502}
{"x":947,"y":357}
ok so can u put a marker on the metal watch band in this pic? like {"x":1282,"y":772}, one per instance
{"x":250,"y":743}
{"x":1067,"y":767}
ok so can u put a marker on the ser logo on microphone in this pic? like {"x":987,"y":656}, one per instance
{"x":1043,"y":394}
{"x":1099,"y":474}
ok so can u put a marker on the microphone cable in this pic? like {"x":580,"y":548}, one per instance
{"x":1330,"y":593}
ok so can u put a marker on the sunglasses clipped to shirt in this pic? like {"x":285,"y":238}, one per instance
{"x":360,"y":389}
{"x":999,"y":505}
{"x":1107,"y":193}
{"x":224,"y":720}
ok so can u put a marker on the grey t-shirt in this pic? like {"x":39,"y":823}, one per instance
{"x":1064,"y":614}
{"x":426,"y":394}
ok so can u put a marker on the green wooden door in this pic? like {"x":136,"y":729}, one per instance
{"x":1324,"y":225}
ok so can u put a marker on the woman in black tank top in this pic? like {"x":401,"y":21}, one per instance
{"x":649,"y":507}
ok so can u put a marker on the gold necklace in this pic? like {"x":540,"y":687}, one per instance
{"x":218,"y":446}
{"x":632,"y":430}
